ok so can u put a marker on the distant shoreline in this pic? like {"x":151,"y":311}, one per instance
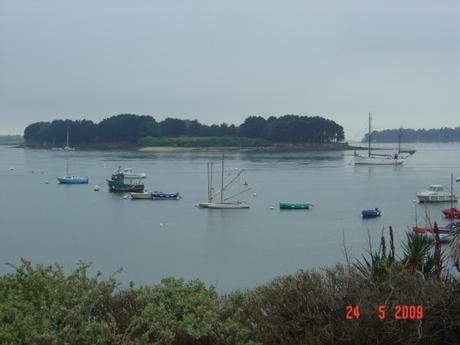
{"x":273,"y":148}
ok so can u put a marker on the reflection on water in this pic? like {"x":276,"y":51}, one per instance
{"x":230,"y":248}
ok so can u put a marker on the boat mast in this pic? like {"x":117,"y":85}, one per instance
{"x":451,"y":198}
{"x":67,"y":137}
{"x":210,"y":184}
{"x":67,"y":166}
{"x":209,"y":191}
{"x":369,"y":136}
{"x":222,"y":180}
{"x":399,"y":140}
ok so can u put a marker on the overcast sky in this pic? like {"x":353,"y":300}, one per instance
{"x":221,"y":61}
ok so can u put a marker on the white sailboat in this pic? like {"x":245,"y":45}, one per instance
{"x":67,"y":146}
{"x":223,"y":202}
{"x":379,"y":159}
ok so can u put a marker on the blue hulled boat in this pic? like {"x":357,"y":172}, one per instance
{"x":165,"y":196}
{"x":72,"y":180}
{"x":371,"y":213}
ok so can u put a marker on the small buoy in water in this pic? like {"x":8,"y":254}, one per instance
{"x":272,"y":207}
{"x":161,"y":225}
{"x":11,"y":168}
{"x":96,"y":188}
{"x":255,"y":194}
{"x":457,"y":179}
{"x":414,"y":201}
{"x":46,"y":181}
{"x":33,"y":171}
{"x":236,"y":168}
{"x":125,"y":197}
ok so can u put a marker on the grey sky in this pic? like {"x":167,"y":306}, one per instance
{"x":221,"y":61}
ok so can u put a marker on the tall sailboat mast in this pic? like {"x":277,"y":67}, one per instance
{"x":399,"y":140}
{"x":67,"y":141}
{"x":222,"y":180}
{"x":369,"y":136}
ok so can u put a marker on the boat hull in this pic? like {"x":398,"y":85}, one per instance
{"x":224,"y":205}
{"x":72,"y":180}
{"x":361,"y":160}
{"x":119,"y":187}
{"x":370,"y":214}
{"x":436,"y":198}
{"x":165,"y":196}
{"x":451,"y":213}
{"x":141,"y":196}
{"x":291,"y":206}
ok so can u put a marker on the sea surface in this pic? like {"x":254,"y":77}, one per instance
{"x":231,"y":249}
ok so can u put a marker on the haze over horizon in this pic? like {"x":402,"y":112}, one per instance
{"x":223,"y":61}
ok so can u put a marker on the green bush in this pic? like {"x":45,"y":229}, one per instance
{"x":42,"y":305}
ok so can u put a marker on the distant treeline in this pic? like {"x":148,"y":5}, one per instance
{"x":443,"y":135}
{"x":6,"y":139}
{"x":141,"y":129}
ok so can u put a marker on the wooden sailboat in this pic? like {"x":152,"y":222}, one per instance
{"x":378,"y":159}
{"x":222,"y":202}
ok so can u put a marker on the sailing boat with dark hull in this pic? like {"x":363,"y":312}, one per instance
{"x":222,"y":202}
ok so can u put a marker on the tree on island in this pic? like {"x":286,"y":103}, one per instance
{"x":132,"y":129}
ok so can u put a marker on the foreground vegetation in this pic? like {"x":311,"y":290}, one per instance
{"x":42,"y":305}
{"x":143,"y":130}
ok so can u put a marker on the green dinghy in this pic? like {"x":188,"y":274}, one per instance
{"x":292,"y":206}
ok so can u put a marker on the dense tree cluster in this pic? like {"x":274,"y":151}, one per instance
{"x":132,"y":128}
{"x":420,"y":135}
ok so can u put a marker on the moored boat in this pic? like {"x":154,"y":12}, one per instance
{"x":72,"y":180}
{"x":379,"y":159}
{"x":224,"y":202}
{"x":165,"y":196}
{"x":294,"y":206}
{"x":120,"y":183}
{"x":445,"y":232}
{"x":371,"y":213}
{"x":451,"y":212}
{"x":437,"y":193}
{"x":141,"y":195}
{"x":227,"y":205}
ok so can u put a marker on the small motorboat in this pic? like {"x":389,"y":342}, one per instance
{"x":164,"y":196}
{"x":436,"y":193}
{"x":371,"y":213}
{"x":294,"y":206}
{"x":141,"y":195}
{"x":72,"y":180}
{"x":451,"y":212}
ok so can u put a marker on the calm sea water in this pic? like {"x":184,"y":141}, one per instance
{"x":51,"y":223}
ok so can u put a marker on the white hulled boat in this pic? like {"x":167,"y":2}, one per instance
{"x":224,"y":202}
{"x":379,"y":159}
{"x":437,"y":193}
